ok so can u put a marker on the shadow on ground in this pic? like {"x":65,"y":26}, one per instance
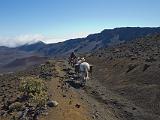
{"x":75,"y":84}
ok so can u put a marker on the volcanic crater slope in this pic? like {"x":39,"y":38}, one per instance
{"x":132,"y":71}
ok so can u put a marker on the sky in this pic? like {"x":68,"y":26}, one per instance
{"x":51,"y":21}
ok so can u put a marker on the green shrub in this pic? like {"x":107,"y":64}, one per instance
{"x":35,"y":89}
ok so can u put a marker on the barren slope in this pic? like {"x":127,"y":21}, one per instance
{"x":132,"y":71}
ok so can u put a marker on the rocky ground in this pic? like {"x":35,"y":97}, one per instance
{"x":74,"y":101}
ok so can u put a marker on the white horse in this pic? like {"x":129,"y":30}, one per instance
{"x":84,"y":69}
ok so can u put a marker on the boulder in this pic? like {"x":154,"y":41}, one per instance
{"x":52,"y":103}
{"x":77,"y":106}
{"x":150,"y":59}
{"x":3,"y":113}
{"x":17,"y":106}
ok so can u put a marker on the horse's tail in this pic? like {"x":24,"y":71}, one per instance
{"x":91,"y":69}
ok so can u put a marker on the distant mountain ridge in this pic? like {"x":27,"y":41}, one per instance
{"x":32,"y":47}
{"x":92,"y":42}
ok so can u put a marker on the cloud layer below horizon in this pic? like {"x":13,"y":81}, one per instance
{"x":19,"y":40}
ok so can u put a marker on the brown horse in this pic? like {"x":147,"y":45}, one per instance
{"x":72,"y":61}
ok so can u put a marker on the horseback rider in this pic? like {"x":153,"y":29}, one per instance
{"x":73,"y":56}
{"x":77,"y":65}
{"x":72,"y":59}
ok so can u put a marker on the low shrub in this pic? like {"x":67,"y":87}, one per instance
{"x":35,"y":89}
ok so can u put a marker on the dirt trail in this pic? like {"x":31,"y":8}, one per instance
{"x":91,"y":100}
{"x":76,"y":102}
{"x":71,"y":106}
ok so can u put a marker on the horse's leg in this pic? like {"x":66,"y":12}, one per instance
{"x":90,"y":71}
{"x":72,"y":64}
{"x":80,"y":77}
{"x":83,"y":79}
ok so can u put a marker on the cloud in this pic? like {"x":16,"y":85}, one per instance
{"x":33,"y":38}
{"x":20,"y":40}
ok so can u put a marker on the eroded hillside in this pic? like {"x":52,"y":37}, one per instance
{"x":132,"y":70}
